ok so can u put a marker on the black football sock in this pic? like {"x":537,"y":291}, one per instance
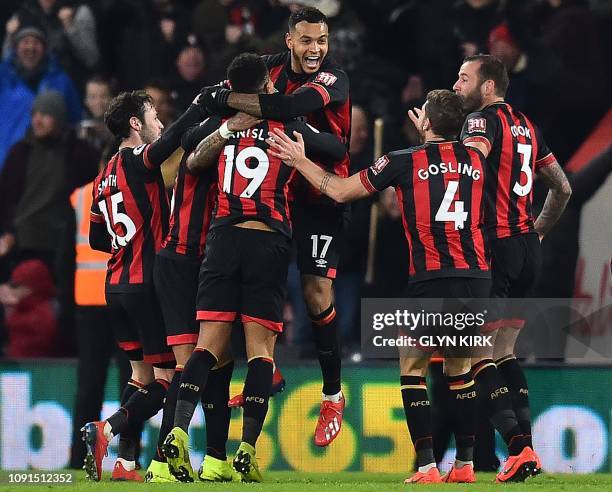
{"x":168,"y":412}
{"x":463,"y":406}
{"x":140,"y":407}
{"x":497,"y":404}
{"x":191,"y":387}
{"x":128,"y":439}
{"x":216,"y":412}
{"x":257,"y":388}
{"x":511,"y":371}
{"x":418,"y":417}
{"x":325,"y":328}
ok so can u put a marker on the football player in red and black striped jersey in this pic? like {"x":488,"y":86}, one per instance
{"x":244,"y":272}
{"x":129,"y":219}
{"x":515,"y":154}
{"x":440,"y":188}
{"x":311,"y":85}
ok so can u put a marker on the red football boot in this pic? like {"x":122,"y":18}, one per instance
{"x":465,"y":474}
{"x":120,"y":474}
{"x":517,"y":468}
{"x":330,"y":422}
{"x":278,"y":385}
{"x":538,"y":466}
{"x":97,"y":445}
{"x":431,"y":476}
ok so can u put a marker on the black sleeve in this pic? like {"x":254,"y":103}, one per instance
{"x":325,"y":88}
{"x":386,"y":170}
{"x":156,"y":153}
{"x":479,"y":127}
{"x":319,"y":146}
{"x":99,"y":238}
{"x":196,"y":134}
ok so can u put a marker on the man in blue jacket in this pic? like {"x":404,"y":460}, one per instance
{"x":27,"y":72}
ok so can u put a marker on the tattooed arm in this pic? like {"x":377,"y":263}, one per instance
{"x":208,"y":150}
{"x":558,"y":195}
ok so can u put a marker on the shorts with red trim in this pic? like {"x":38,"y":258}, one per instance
{"x":320,"y":233}
{"x":244,"y":274}
{"x":176,"y":283}
{"x":138,"y":325}
{"x":515,"y":265}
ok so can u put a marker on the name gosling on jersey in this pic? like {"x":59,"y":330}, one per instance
{"x":449,"y":167}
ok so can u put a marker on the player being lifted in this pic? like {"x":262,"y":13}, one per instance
{"x":129,"y":219}
{"x":310,"y":84}
{"x":439,"y":187}
{"x":515,"y":151}
{"x":244,"y":272}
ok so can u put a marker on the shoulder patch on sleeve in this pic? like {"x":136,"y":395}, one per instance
{"x":379,"y":165}
{"x":325,"y":78}
{"x":138,"y":150}
{"x":477,"y":125}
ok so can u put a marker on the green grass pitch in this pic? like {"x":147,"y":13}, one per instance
{"x":349,"y":481}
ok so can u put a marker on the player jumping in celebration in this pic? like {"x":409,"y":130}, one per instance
{"x":514,"y":151}
{"x":439,"y":187}
{"x":310,"y":84}
{"x":244,"y":272}
{"x":129,"y":219}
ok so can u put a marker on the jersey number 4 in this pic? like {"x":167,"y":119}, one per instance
{"x":256,"y":174}
{"x":445,"y":214}
{"x":117,"y":218}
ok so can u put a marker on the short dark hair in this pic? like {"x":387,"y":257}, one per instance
{"x":445,"y":111}
{"x":492,"y":68}
{"x":101,"y":80}
{"x":122,"y":108}
{"x":247,"y":73}
{"x":307,"y":14}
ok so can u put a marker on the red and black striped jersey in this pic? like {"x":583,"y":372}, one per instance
{"x":334,"y":114}
{"x":253,"y":185}
{"x":130,"y":198}
{"x":193,"y":199}
{"x":440,"y":187}
{"x":516,"y":151}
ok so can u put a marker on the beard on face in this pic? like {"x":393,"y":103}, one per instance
{"x":148,"y":135}
{"x":473,"y":100}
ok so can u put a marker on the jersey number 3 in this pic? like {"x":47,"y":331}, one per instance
{"x":256,"y":173}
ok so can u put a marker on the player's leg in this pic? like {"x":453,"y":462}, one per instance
{"x":260,"y":355}
{"x":413,"y":368}
{"x":176,"y":285}
{"x":521,"y":287}
{"x":319,"y":232}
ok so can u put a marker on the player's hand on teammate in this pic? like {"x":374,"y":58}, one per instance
{"x":242,"y":121}
{"x":289,"y":151}
{"x":415,"y":115}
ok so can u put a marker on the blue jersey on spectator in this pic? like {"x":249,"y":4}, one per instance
{"x":16,"y":98}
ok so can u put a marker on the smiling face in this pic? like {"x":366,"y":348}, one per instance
{"x":308,"y":43}
{"x":30,"y":51}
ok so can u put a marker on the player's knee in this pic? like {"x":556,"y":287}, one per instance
{"x":317,"y":293}
{"x":413,"y":366}
{"x":142,"y":372}
{"x":455,"y":366}
{"x":182,"y":353}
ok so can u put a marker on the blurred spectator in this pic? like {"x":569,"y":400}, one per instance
{"x":28,"y":71}
{"x":503,"y":45}
{"x":36,"y":219}
{"x":31,"y":313}
{"x":92,"y":128}
{"x":71,"y":33}
{"x":190,"y":74}
{"x":141,"y":39}
{"x":472,"y":21}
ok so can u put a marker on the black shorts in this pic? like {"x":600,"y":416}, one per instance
{"x":244,"y":273}
{"x":515,"y":266}
{"x":464,"y":298}
{"x":139,"y":326}
{"x":176,"y":284}
{"x":319,"y":232}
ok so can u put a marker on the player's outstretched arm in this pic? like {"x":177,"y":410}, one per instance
{"x":207,"y":152}
{"x":558,"y":195}
{"x":292,"y":153}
